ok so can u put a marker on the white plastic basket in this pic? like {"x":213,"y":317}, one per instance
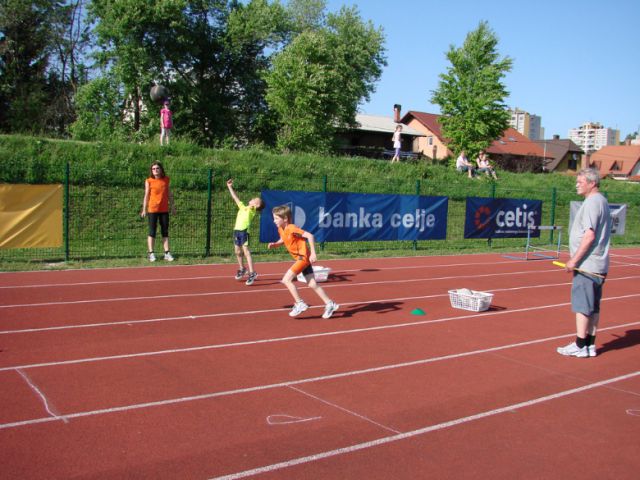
{"x":321,"y":274}
{"x":474,"y":301}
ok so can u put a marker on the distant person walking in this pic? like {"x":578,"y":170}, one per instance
{"x":464,"y":165}
{"x":589,"y":241}
{"x":166,"y":123}
{"x":397,"y":143}
{"x":157,"y":202}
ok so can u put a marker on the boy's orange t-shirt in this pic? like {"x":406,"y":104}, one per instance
{"x":158,"y":195}
{"x":296,"y":244}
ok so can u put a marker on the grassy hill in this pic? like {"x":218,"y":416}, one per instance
{"x":107,"y":184}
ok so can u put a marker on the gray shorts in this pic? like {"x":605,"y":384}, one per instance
{"x":586,"y":293}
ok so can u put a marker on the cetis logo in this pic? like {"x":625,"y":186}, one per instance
{"x":482,"y":217}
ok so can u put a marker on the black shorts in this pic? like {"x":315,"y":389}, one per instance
{"x":154,"y":218}
{"x":240,"y":238}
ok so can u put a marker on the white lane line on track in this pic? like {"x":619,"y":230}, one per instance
{"x":255,"y":290}
{"x":254,"y":312}
{"x":300,"y":337}
{"x":423,"y":431}
{"x":174,"y":279}
{"x":258,"y":388}
{"x":49,"y":408}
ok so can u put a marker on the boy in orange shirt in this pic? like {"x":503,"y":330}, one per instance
{"x":295,"y":239}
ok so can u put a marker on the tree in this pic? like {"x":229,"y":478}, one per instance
{"x":67,"y":71}
{"x":471,"y":93}
{"x":24,"y":56}
{"x":99,"y":111}
{"x":320,"y":78}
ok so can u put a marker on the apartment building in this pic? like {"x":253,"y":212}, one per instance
{"x":528,"y":125}
{"x":591,"y":137}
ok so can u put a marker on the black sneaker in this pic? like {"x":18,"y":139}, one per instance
{"x":240,"y":273}
{"x":251,"y":279}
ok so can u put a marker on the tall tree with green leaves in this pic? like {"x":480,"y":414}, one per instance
{"x":24,"y":56}
{"x":130,"y":35}
{"x":471,"y":93}
{"x":319,"y":79}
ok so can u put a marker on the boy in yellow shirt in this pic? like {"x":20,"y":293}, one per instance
{"x":241,"y":233}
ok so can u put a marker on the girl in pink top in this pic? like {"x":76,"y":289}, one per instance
{"x":166,"y":123}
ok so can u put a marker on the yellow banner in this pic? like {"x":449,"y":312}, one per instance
{"x":30,"y":216}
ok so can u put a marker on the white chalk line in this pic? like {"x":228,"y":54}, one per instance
{"x":284,"y":419}
{"x":49,"y":408}
{"x":301,"y":337}
{"x":422,"y":431}
{"x":254,"y":312}
{"x":207,"y":277}
{"x":253,"y":291}
{"x":258,"y":388}
{"x":346,"y":410}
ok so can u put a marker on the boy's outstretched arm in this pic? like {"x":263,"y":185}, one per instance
{"x":233,"y":192}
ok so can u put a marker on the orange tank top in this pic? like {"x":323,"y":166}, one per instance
{"x":158,"y":195}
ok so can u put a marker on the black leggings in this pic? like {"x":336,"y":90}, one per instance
{"x":154,"y":218}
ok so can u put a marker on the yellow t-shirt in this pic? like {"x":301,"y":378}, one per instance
{"x":244,"y":217}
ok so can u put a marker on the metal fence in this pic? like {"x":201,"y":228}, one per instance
{"x":105,"y":222}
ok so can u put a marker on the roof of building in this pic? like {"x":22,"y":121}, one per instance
{"x":380,"y":123}
{"x":616,"y":159}
{"x":510,"y":143}
{"x":558,"y":149}
{"x":513,"y":142}
{"x":429,"y":120}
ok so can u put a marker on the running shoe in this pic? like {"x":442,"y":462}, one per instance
{"x":152,"y":257}
{"x":241,"y":273}
{"x":592,"y":350}
{"x":251,"y":279}
{"x":298,"y":308}
{"x":168,"y":257}
{"x":329,"y":309}
{"x":572,"y":350}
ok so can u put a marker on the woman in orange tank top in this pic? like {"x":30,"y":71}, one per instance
{"x":156,"y":204}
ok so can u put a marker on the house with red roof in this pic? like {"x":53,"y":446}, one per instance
{"x":621,"y":162}
{"x":512,"y":151}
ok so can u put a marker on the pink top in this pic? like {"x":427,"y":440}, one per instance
{"x":165,"y":118}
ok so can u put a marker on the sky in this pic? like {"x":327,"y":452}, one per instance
{"x":573,"y":61}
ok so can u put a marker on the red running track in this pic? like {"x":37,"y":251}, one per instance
{"x":181,"y":372}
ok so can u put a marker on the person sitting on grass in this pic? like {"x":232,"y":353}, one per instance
{"x":464,"y":165}
{"x":485,"y":166}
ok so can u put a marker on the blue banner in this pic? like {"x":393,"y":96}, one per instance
{"x":340,"y":217}
{"x":501,"y":217}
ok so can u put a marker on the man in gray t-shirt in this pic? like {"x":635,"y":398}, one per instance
{"x":589,"y":241}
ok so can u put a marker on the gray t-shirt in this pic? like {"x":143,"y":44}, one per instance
{"x":593,"y":214}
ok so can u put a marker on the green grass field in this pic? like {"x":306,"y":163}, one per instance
{"x":106,"y":188}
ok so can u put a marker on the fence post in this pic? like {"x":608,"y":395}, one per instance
{"x":415,"y":242}
{"x":553,"y":212}
{"x":493,"y":195}
{"x":66,"y":212}
{"x":207,"y":248}
{"x":324,"y":189}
